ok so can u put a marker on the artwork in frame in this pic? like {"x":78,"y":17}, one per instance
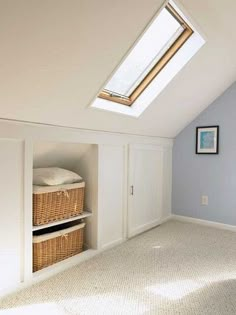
{"x":207,"y":140}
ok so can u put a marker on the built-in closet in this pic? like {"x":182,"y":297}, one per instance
{"x":127,"y":191}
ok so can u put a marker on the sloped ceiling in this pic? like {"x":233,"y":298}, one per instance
{"x":56,"y":54}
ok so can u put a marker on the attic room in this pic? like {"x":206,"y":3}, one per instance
{"x":117,"y":158}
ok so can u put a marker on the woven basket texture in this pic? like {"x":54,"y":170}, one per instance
{"x":56,"y":206}
{"x":49,"y":252}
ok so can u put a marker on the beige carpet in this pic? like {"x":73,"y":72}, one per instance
{"x":177,"y":268}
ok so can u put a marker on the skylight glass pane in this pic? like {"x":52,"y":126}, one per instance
{"x":161,"y":34}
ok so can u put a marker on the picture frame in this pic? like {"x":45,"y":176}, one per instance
{"x":207,"y":140}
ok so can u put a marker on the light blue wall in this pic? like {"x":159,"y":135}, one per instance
{"x":213,"y":175}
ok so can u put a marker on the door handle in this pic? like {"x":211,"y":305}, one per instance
{"x":131,"y":190}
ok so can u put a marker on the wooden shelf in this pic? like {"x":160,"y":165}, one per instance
{"x":85,"y":214}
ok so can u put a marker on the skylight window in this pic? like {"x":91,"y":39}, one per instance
{"x":156,"y":47}
{"x":164,"y":48}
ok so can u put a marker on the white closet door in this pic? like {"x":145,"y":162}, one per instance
{"x":145,"y":188}
{"x":11,"y":188}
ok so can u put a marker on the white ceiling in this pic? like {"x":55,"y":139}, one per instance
{"x":56,"y":54}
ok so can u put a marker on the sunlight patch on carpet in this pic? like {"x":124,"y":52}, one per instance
{"x":35,"y":309}
{"x":176,"y":290}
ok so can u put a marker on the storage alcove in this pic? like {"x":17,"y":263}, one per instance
{"x":106,"y":162}
{"x":81,"y":158}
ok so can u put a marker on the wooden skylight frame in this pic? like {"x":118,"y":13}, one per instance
{"x":162,"y":62}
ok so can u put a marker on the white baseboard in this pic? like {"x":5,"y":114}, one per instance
{"x":63,"y":265}
{"x":112,"y":244}
{"x":165,"y":219}
{"x":143,"y":228}
{"x":217,"y":225}
{"x":147,"y":226}
{"x":50,"y":271}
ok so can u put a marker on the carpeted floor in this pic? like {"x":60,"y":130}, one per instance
{"x":177,"y":268}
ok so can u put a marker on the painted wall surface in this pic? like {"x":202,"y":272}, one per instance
{"x":54,"y":61}
{"x":212,"y":175}
{"x":59,"y":154}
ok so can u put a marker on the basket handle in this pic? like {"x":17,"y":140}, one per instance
{"x":65,"y":192}
{"x":65,"y":236}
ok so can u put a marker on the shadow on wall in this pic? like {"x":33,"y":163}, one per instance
{"x":65,"y":155}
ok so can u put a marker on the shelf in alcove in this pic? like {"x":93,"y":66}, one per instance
{"x":85,"y":214}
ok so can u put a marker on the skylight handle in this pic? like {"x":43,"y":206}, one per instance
{"x":118,"y":95}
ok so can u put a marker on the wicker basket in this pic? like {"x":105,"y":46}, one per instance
{"x":55,"y":203}
{"x":51,"y":248}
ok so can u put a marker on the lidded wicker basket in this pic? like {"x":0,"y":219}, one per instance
{"x":51,"y":248}
{"x":55,"y":203}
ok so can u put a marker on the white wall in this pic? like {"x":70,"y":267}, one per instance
{"x":54,"y":61}
{"x":211,"y":175}
{"x":61,"y":154}
{"x":11,"y":212}
{"x":111,"y":180}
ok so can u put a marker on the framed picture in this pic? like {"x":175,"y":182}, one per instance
{"x":207,"y":140}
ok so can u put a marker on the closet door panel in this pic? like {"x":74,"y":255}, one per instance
{"x":11,"y":187}
{"x":110,"y":195}
{"x":146,"y":186}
